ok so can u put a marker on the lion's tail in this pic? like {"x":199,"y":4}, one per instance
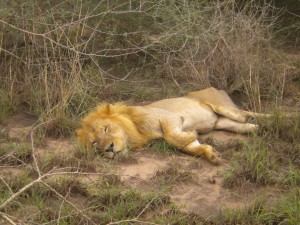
{"x":267,"y":115}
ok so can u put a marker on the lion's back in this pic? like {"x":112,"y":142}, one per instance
{"x":213,"y":96}
{"x":178,"y":105}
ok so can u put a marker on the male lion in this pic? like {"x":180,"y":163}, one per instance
{"x":113,"y":128}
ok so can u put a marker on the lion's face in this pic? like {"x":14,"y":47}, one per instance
{"x":105,"y":137}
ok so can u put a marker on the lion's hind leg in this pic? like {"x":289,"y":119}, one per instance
{"x":237,"y":127}
{"x":230,"y":112}
{"x":235,"y":114}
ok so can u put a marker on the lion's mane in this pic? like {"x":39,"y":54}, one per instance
{"x":125,"y":116}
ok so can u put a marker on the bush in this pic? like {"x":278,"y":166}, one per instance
{"x":60,"y":59}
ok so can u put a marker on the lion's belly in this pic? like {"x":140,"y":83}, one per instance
{"x":197,"y":116}
{"x":200,"y":119}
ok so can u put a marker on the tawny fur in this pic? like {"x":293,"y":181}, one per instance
{"x":120,"y":114}
{"x":113,"y":128}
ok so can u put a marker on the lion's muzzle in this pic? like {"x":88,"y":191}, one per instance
{"x":110,"y":148}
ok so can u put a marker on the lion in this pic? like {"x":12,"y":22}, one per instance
{"x":114,"y":128}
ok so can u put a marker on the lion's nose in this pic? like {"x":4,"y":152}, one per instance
{"x":110,"y":148}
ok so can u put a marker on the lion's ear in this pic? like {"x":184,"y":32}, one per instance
{"x":91,"y":137}
{"x":84,"y":137}
{"x":106,"y":129}
{"x":81,"y":135}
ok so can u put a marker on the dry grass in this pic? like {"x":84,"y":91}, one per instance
{"x":227,"y":46}
{"x":50,"y":161}
{"x":59,"y":63}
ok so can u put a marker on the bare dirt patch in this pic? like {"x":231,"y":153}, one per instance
{"x":19,"y":125}
{"x":145,"y":168}
{"x":60,"y":146}
{"x":205,"y":196}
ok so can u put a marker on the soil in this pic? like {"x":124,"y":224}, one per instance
{"x":204,"y":196}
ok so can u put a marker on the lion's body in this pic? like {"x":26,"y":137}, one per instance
{"x":114,"y":128}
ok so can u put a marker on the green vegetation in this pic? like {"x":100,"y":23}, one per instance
{"x":6,"y":108}
{"x":271,"y":157}
{"x":284,"y":211}
{"x":117,"y":204}
{"x":15,"y":154}
{"x":163,"y":148}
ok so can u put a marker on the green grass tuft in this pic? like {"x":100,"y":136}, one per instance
{"x":272,"y":155}
{"x":284,"y":211}
{"x":115,"y":203}
{"x":15,"y":154}
{"x":163,"y":148}
{"x":281,"y":127}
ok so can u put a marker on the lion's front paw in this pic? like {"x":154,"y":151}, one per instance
{"x":213,"y":155}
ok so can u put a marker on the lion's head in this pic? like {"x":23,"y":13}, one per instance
{"x":104,"y":137}
{"x":110,"y":130}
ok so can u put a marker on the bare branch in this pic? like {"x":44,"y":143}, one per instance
{"x":33,"y":150}
{"x":12,"y":54}
{"x":15,"y":195}
{"x":8,"y":187}
{"x":144,"y":209}
{"x":132,"y":220}
{"x":136,"y":219}
{"x":4,"y":216}
{"x":61,"y":205}
{"x":70,"y":203}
